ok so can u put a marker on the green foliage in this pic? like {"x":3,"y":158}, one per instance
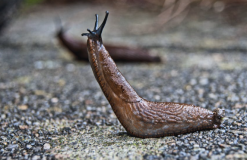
{"x":32,"y":2}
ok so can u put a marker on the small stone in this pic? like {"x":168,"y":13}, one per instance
{"x":47,"y":146}
{"x":88,"y":102}
{"x":36,"y":157}
{"x":23,"y":107}
{"x":24,"y":152}
{"x":37,"y":149}
{"x":36,"y":123}
{"x":12,"y":146}
{"x":233,"y":98}
{"x":157,"y":97}
{"x":3,"y":116}
{"x":213,"y":96}
{"x":39,"y":92}
{"x":23,"y":127}
{"x":61,"y":82}
{"x":224,"y":145}
{"x":193,"y":81}
{"x":203,"y":81}
{"x":238,"y":106}
{"x":29,"y":146}
{"x":188,"y":87}
{"x":54,"y":100}
{"x":196,"y":146}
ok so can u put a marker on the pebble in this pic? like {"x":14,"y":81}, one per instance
{"x":35,"y":157}
{"x":29,"y":146}
{"x":23,"y":107}
{"x":12,"y":146}
{"x":47,"y":146}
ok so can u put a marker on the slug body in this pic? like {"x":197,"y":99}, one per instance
{"x":119,"y":53}
{"x":142,"y":118}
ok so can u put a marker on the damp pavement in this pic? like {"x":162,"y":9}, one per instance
{"x":52,"y":107}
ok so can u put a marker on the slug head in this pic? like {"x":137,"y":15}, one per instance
{"x":96,"y":33}
{"x":60,"y":29}
{"x":218,"y":117}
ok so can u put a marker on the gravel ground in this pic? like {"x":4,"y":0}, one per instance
{"x":52,"y":107}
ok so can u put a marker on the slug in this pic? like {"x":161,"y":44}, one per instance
{"x":78,"y":49}
{"x":142,"y":118}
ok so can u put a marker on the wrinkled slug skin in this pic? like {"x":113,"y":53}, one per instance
{"x":142,"y":118}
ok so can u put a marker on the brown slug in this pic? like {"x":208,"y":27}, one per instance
{"x":142,"y":118}
{"x":119,"y":53}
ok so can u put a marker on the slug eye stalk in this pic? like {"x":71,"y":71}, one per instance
{"x":96,"y":22}
{"x":96,"y":33}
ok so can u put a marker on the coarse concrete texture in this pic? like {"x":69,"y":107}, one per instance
{"x":51,"y":107}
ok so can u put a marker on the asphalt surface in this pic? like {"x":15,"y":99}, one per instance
{"x":51,"y":107}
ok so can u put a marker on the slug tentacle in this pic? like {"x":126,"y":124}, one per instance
{"x":96,"y":22}
{"x":100,"y":29}
{"x":96,"y":33}
{"x":142,"y":118}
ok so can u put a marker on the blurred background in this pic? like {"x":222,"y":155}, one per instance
{"x":139,"y":19}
